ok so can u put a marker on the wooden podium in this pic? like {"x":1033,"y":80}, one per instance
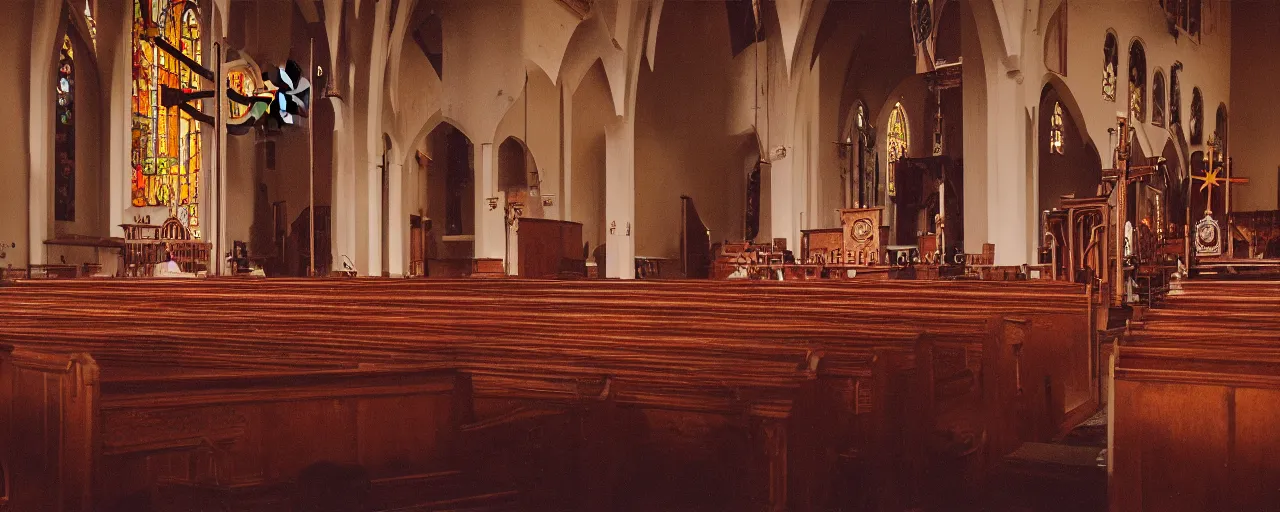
{"x":863,"y":236}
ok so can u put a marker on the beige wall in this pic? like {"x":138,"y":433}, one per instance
{"x":1206,"y":64}
{"x":684,"y":144}
{"x":15,"y":21}
{"x":1255,"y":119}
{"x":592,"y":110}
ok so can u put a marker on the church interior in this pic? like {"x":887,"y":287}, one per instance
{"x":640,"y":255}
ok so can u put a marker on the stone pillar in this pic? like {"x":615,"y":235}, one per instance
{"x":619,"y":199}
{"x":782,"y":203}
{"x":397,"y":222}
{"x":373,"y":227}
{"x":344,"y":187}
{"x":40,"y":127}
{"x":566,"y":152}
{"x":1007,"y":213}
{"x":490,"y":237}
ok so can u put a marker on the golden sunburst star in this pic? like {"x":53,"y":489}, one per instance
{"x":1210,"y":179}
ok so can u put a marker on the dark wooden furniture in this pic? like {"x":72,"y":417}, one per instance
{"x":695,"y":242}
{"x":1196,"y":399}
{"x":80,"y":434}
{"x":549,"y":249}
{"x":146,"y":245}
{"x":768,"y":402}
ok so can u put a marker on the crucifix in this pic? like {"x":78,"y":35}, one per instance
{"x":848,"y":175}
{"x":1208,"y":239}
{"x":1121,"y":178}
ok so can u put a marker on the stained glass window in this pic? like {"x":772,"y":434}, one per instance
{"x":1175,"y":95}
{"x":1220,"y":125}
{"x":1055,"y":129}
{"x":1138,"y":82}
{"x":1157,"y":99}
{"x":897,"y":141}
{"x":64,"y":181}
{"x":93,"y":25}
{"x":1197,"y":116}
{"x":239,"y":80}
{"x":166,"y":141}
{"x":1110,"y":63}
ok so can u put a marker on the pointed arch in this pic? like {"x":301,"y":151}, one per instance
{"x":1110,"y":66}
{"x":897,"y":141}
{"x":1137,"y":81}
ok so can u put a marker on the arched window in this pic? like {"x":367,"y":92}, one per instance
{"x":897,"y":141}
{"x":1138,"y":82}
{"x":64,"y":131}
{"x":1055,"y":129}
{"x":166,"y":141}
{"x":1110,"y":66}
{"x":1175,"y":95}
{"x":1157,"y":99}
{"x":1197,"y":116}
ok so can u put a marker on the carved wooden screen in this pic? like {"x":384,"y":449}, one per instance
{"x":167,"y":142}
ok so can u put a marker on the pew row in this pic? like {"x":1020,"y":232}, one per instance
{"x":79,"y":436}
{"x":1196,"y":399}
{"x":810,"y":383}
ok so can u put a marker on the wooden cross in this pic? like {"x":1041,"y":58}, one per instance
{"x":1212,"y":179}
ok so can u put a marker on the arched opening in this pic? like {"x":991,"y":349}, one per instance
{"x":443,"y":202}
{"x":517,"y":175}
{"x":1069,"y":164}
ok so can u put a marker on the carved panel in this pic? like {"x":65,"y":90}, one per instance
{"x":862,"y":240}
{"x":148,"y":430}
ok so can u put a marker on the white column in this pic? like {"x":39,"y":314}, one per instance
{"x":1007,"y":212}
{"x":120,"y":142}
{"x":619,"y":199}
{"x":40,"y":127}
{"x":397,"y":222}
{"x":566,"y":152}
{"x":782,"y":203}
{"x":344,"y":187}
{"x":373,"y":258}
{"x":490,"y":237}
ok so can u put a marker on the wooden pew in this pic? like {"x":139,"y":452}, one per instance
{"x":1196,"y":399}
{"x":77,"y":436}
{"x":764,"y":365}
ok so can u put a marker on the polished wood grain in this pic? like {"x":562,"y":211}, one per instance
{"x":1197,"y":394}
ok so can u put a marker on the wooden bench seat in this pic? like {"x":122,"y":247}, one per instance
{"x":802,"y":378}
{"x":78,"y":437}
{"x":1197,"y":394}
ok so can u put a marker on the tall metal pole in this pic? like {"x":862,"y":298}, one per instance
{"x":220,"y":93}
{"x":311,"y":156}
